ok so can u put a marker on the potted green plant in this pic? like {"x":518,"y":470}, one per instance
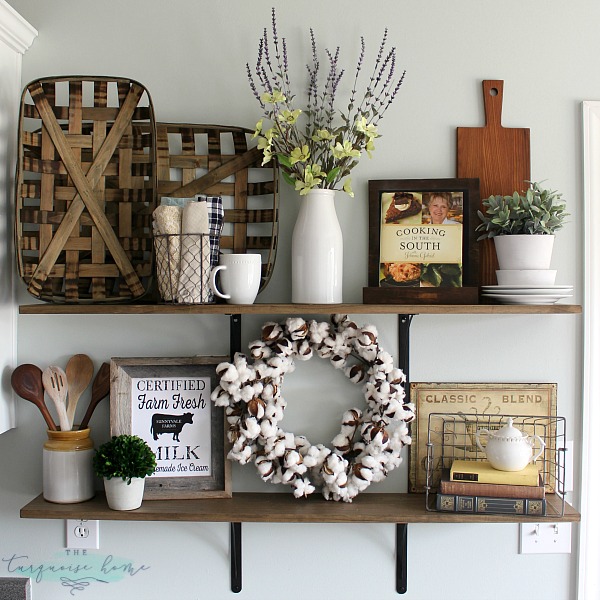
{"x":123,"y":463}
{"x":523,"y":226}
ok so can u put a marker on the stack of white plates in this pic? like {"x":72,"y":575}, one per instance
{"x":527,"y":294}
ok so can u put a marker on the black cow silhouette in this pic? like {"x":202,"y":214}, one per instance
{"x":169,"y":424}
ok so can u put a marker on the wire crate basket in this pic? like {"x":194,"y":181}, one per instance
{"x":183,"y":267}
{"x":452,"y":436}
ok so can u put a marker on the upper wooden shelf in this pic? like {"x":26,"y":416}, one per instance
{"x":359,"y":309}
{"x":282,"y":508}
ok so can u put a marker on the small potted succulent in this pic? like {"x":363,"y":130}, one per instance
{"x":123,"y":463}
{"x":523,"y":226}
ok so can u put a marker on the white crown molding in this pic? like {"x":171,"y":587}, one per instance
{"x":15,"y":31}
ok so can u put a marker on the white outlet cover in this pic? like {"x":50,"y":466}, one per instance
{"x":82,"y":534}
{"x":545,"y":538}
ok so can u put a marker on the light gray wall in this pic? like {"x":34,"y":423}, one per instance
{"x":190,"y":54}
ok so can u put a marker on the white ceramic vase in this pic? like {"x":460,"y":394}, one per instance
{"x":121,"y":496}
{"x":317,"y":250}
{"x":524,"y":251}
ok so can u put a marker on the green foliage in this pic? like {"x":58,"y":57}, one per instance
{"x":538,"y":212}
{"x":124,"y":456}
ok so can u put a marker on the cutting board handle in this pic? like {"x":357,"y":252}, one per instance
{"x":492,"y":101}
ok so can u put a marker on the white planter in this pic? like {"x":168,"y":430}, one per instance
{"x":317,"y":251}
{"x":524,"y":251}
{"x":121,"y":496}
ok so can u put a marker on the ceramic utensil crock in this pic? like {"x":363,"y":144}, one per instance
{"x":67,"y":472}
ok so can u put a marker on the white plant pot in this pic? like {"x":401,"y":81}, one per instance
{"x":524,"y":251}
{"x":121,"y":496}
{"x":317,"y":251}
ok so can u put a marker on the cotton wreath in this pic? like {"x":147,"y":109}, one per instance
{"x":370,"y":441}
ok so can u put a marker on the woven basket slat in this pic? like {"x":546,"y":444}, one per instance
{"x":196,"y":159}
{"x":89,"y":179}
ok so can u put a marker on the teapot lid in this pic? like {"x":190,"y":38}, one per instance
{"x":508,"y":431}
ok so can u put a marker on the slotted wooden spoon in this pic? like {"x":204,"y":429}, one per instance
{"x":26,"y":380}
{"x":100,"y":389}
{"x":79,"y":371}
{"x":55,"y":384}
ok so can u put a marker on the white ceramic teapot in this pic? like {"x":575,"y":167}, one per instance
{"x":509,"y":449}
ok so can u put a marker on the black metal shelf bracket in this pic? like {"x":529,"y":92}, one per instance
{"x":401,"y":557}
{"x":235,"y":542}
{"x":235,"y":529}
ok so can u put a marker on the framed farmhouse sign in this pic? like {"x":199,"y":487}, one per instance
{"x":422,"y":242}
{"x":469,"y":399}
{"x":166,"y":402}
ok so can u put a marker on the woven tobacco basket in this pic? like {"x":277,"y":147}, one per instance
{"x":215,"y":160}
{"x":86,"y":189}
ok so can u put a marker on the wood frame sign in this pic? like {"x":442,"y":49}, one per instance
{"x":422,"y":241}
{"x":166,"y":402}
{"x":470,"y":399}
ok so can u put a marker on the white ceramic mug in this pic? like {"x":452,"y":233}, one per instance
{"x":239,"y":278}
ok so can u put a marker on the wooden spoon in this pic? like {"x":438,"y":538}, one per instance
{"x":79,"y":371}
{"x":100,"y":389}
{"x":26,"y":380}
{"x":55,"y":384}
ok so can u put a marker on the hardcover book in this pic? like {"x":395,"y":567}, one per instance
{"x":421,"y":239}
{"x":481,"y":471}
{"x":484,"y":504}
{"x":496,"y":490}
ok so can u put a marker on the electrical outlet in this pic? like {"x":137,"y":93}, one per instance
{"x":82,"y":534}
{"x":545,"y":538}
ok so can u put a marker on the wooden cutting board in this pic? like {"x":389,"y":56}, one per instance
{"x":499,"y":157}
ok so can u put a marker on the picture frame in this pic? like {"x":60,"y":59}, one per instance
{"x":166,"y":402}
{"x":413,"y":259}
{"x":525,"y":399}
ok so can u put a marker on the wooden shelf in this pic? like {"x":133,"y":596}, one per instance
{"x":362,"y":309}
{"x":281,"y":508}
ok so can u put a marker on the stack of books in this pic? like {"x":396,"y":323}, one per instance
{"x":476,"y":487}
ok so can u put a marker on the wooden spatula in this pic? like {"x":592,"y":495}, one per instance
{"x":100,"y":389}
{"x":26,"y":380}
{"x":79,"y":371}
{"x":55,"y":384}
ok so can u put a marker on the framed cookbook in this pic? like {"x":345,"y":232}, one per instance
{"x":422,"y":241}
{"x":166,"y":402}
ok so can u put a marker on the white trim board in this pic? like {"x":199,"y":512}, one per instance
{"x":589,"y":547}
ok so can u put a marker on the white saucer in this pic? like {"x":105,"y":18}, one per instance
{"x":527,"y":298}
{"x":525,"y":290}
{"x":493,"y":288}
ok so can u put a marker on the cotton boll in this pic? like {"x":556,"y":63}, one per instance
{"x":302,"y":444}
{"x":297,"y":328}
{"x":256,"y":407}
{"x":247,"y":393}
{"x":283,"y":347}
{"x":251,"y":428}
{"x":318,"y":332}
{"x":268,"y":429}
{"x":220,"y":397}
{"x":355,"y":373}
{"x":279,"y":447}
{"x":227,"y":372}
{"x":302,"y":488}
{"x":271,"y":331}
{"x":341,"y":443}
{"x":304,"y":350}
{"x":352,"y":417}
{"x":265,"y":468}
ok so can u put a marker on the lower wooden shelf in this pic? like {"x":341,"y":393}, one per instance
{"x":281,"y":508}
{"x":242,"y":507}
